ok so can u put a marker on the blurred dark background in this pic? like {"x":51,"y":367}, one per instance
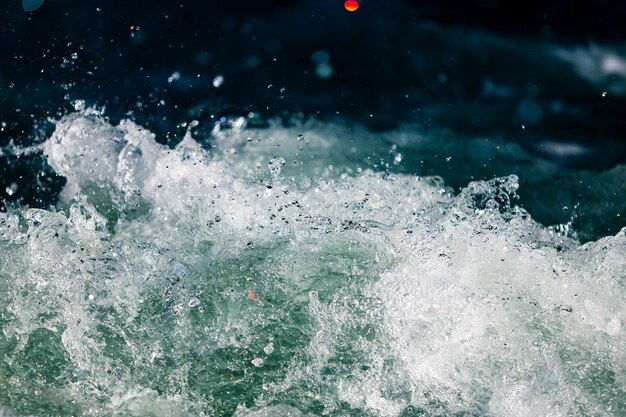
{"x":550,"y":75}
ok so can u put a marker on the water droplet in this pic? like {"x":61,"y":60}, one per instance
{"x":31,"y":5}
{"x":300,"y":137}
{"x":79,"y":105}
{"x":320,"y":57}
{"x":269,"y":349}
{"x":174,"y":77}
{"x":11,"y":189}
{"x":218,"y":81}
{"x":324,"y":71}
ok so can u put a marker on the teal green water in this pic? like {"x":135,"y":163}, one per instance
{"x":272,"y":275}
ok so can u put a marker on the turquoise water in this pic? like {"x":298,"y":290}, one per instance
{"x":303,"y":271}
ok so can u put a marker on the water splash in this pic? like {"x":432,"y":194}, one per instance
{"x":174,"y":281}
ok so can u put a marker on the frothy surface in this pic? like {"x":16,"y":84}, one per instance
{"x":274,"y":275}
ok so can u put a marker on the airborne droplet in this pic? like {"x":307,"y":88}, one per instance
{"x":31,"y":5}
{"x":218,"y":81}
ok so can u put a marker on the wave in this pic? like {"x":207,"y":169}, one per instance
{"x":272,"y":274}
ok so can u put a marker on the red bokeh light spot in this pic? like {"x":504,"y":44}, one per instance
{"x":351,"y":5}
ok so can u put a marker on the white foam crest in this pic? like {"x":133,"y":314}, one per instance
{"x":480,"y":306}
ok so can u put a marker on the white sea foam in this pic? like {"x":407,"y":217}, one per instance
{"x":165,"y":273}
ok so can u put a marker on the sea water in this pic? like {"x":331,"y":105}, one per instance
{"x":298,"y":271}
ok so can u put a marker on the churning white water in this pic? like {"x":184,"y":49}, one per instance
{"x":273,"y":274}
